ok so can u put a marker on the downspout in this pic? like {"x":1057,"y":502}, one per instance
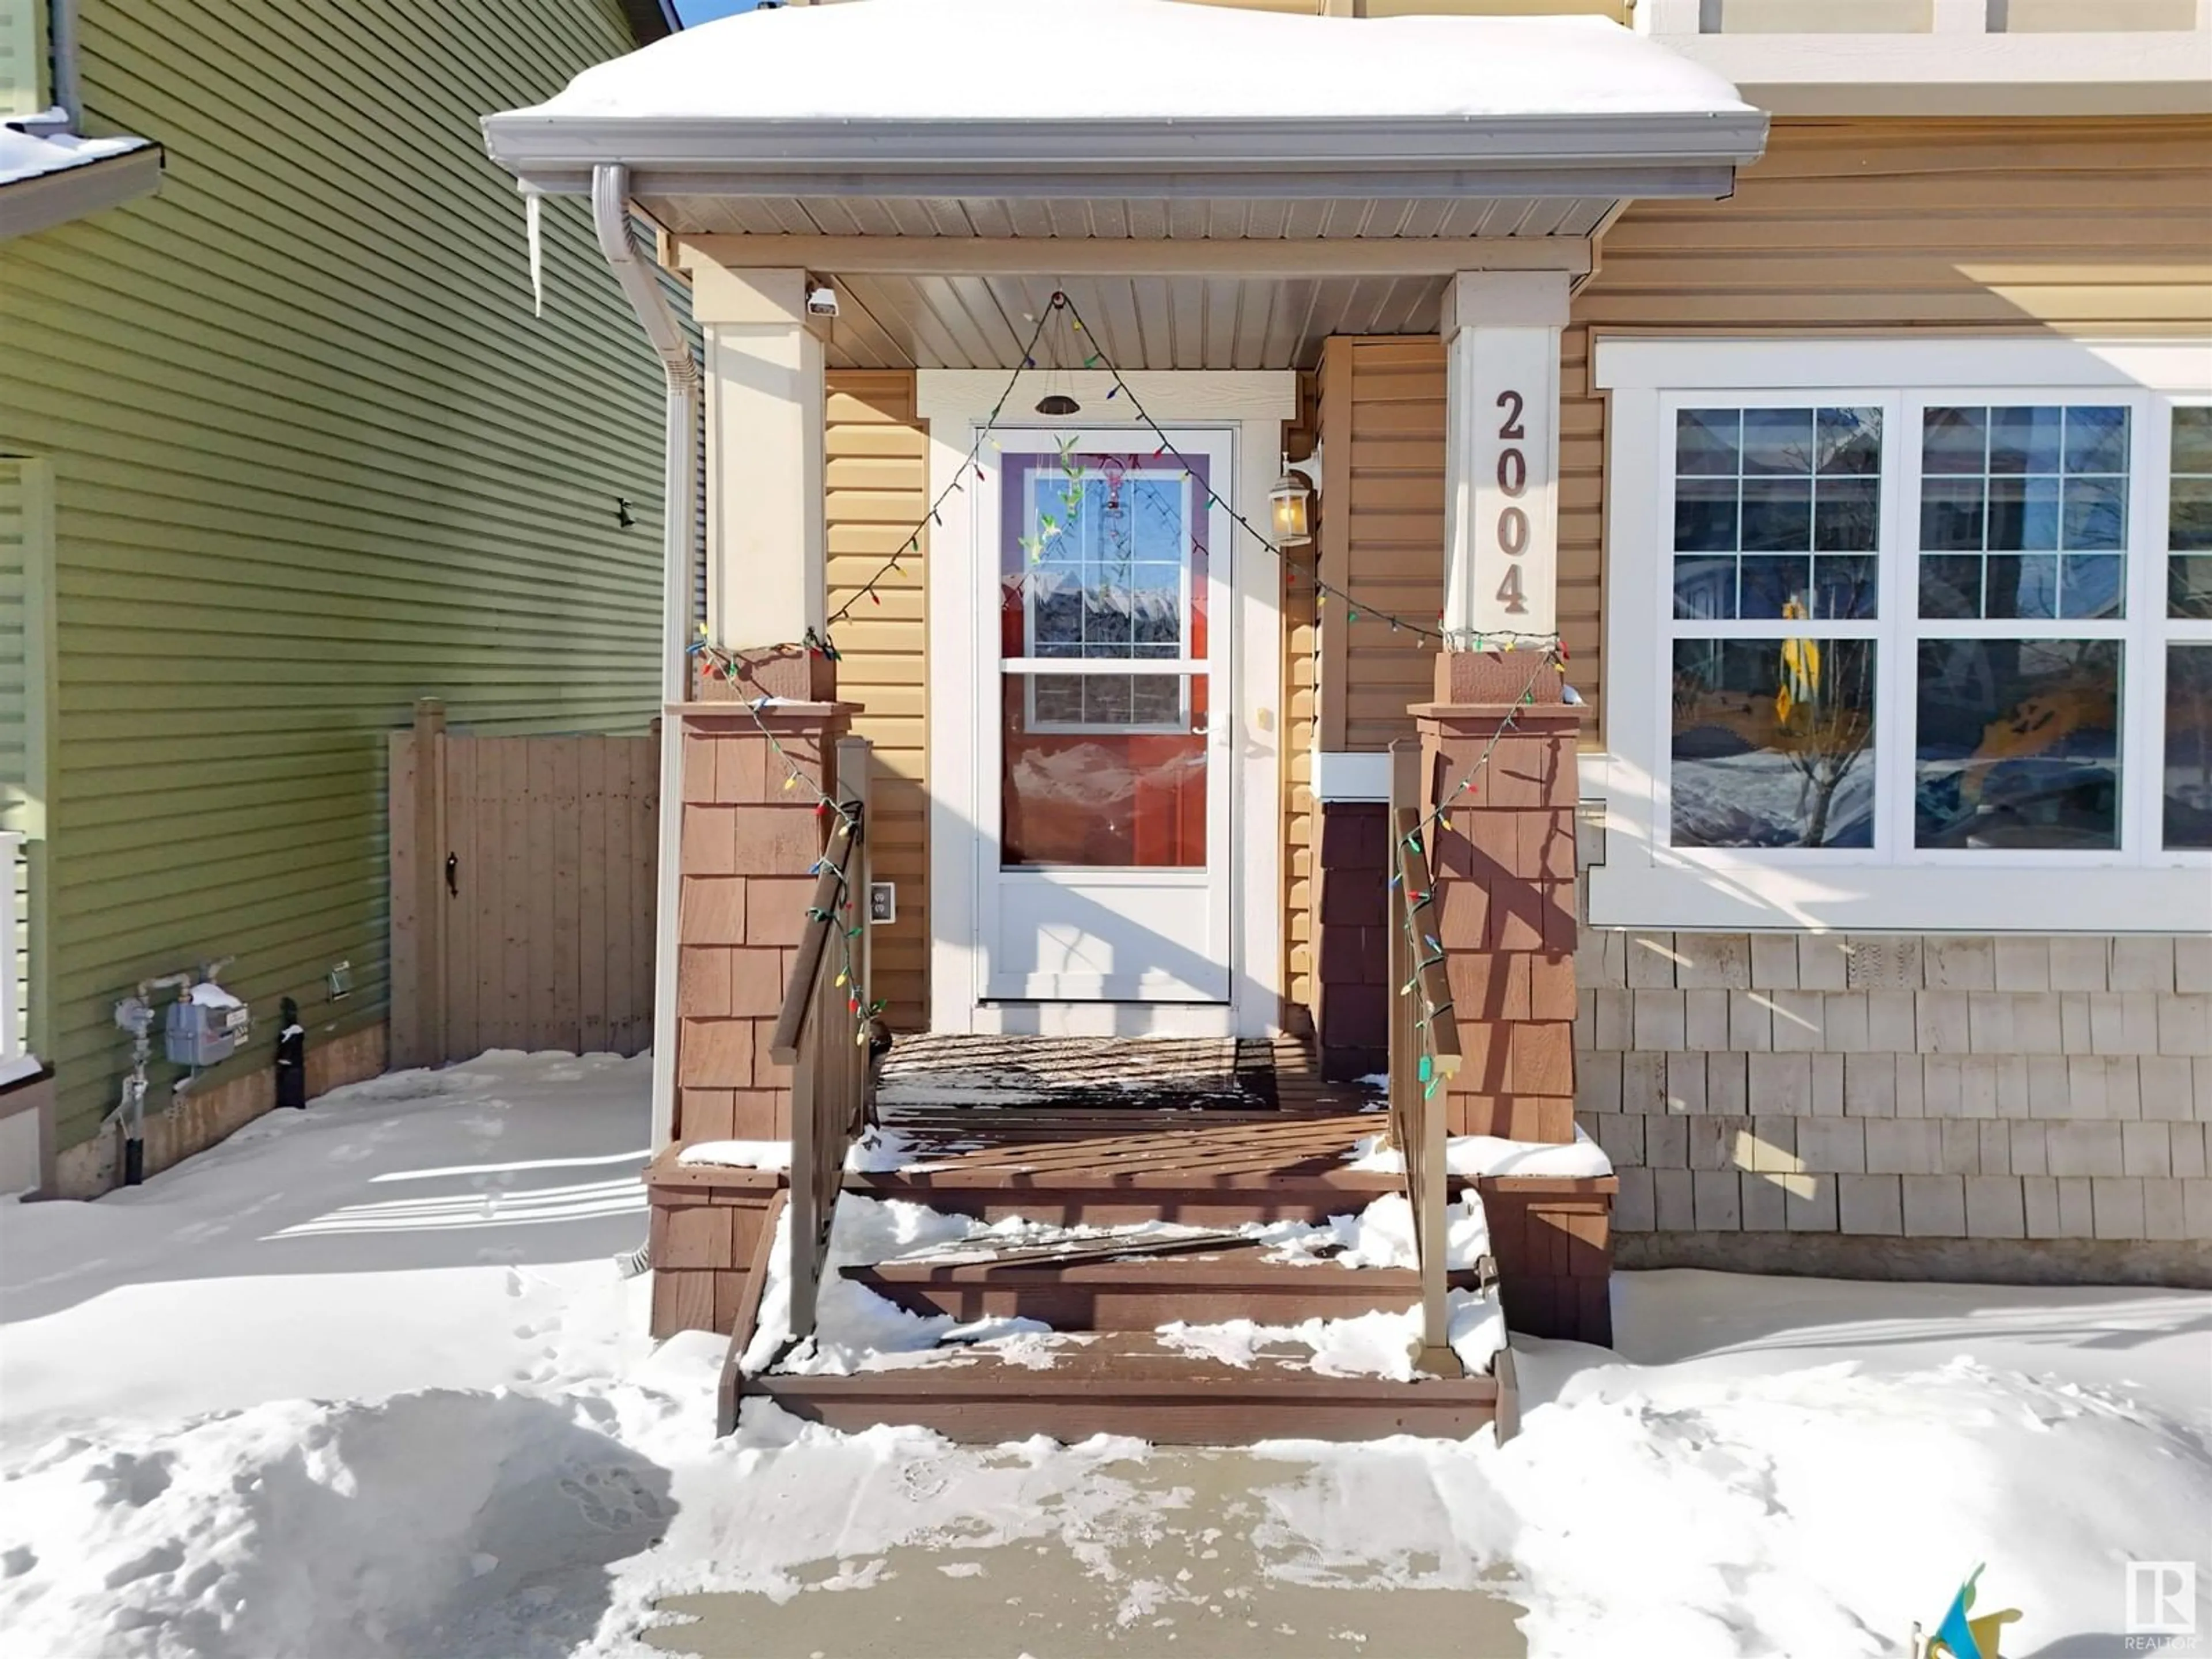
{"x":641,"y":281}
{"x":62,"y":48}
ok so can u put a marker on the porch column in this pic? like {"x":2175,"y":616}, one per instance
{"x":754,"y":778}
{"x":1501,"y":331}
{"x":1503,"y":853}
{"x":766,"y":562}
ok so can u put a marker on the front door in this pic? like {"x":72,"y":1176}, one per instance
{"x":1106,"y":715}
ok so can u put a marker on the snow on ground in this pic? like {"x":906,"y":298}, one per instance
{"x":363,"y":1381}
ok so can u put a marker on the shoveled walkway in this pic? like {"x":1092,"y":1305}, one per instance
{"x":1197,"y":1586}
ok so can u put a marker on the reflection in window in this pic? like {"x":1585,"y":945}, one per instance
{"x":2189,"y":514}
{"x":1105,"y":563}
{"x":2188,"y":784}
{"x":1773,"y":743}
{"x":2018,"y":744}
{"x":1776,"y":511}
{"x":2023,"y":511}
{"x":1126,"y":789}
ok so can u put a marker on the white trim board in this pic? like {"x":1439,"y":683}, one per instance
{"x":1255,"y":402}
{"x":1347,"y":775}
{"x":1643,"y":883}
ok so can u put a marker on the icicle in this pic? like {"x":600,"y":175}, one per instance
{"x":532,"y":227}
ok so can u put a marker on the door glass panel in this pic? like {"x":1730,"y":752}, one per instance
{"x":1104,"y":771}
{"x":1103,"y":560}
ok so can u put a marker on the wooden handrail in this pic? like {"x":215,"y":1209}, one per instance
{"x":814,"y":943}
{"x":822,"y":1033}
{"x":1425,"y":1051}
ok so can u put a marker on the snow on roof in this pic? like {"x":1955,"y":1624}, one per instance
{"x":1135,"y":60}
{"x":24,"y":157}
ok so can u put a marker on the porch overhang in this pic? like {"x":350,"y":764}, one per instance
{"x":1003,"y":117}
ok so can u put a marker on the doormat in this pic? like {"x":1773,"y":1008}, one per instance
{"x":1096,"y":1073}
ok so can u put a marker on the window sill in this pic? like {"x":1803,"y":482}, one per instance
{"x":1636,"y":888}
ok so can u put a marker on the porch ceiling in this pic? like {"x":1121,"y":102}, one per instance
{"x":892,"y":321}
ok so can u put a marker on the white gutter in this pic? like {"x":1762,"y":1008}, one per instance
{"x":1686,"y":153}
{"x":641,"y":281}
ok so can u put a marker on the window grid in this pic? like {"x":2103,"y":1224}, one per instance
{"x":2133,"y":632}
{"x":1075,"y":553}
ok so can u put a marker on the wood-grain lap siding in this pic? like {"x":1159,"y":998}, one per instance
{"x":313,"y":457}
{"x":2082,"y":228}
{"x":878,"y":475}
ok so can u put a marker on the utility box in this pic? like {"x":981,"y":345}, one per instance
{"x":204,"y":1026}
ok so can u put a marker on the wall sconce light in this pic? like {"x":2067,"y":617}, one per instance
{"x":1291,"y":507}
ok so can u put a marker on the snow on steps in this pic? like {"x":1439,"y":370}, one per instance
{"x":1144,"y":1386}
{"x":1142,"y":1293}
{"x":989,"y":1331}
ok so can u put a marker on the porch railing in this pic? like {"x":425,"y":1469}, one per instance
{"x":1424,"y":1049}
{"x":822,"y":1034}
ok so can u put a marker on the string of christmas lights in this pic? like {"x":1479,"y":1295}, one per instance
{"x":719,"y":664}
{"x":1097,"y":357}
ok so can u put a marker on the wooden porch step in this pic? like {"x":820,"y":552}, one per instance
{"x":1131,"y":1384}
{"x":1102,"y":1200}
{"x":1142,"y":1294}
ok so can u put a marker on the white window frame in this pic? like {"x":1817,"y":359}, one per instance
{"x":1032,"y":667}
{"x":1644,"y":882}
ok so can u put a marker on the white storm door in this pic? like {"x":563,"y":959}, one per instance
{"x":1106,"y":710}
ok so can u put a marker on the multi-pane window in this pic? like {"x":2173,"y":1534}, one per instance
{"x":1777,"y":519}
{"x":1909,"y":626}
{"x":2023,"y":520}
{"x":2185,"y":783}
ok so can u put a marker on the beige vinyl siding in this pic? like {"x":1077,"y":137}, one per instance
{"x":878,"y":481}
{"x":1301,"y":721}
{"x":313,"y":458}
{"x":1382,"y":443}
{"x":2082,"y":227}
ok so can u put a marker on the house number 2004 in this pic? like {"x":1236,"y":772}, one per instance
{"x":1512,"y":483}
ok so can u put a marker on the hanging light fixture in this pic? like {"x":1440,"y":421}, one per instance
{"x":1290,"y":507}
{"x":1060,"y":403}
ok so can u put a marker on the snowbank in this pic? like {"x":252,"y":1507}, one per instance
{"x":364,"y":1381}
{"x":998,"y":60}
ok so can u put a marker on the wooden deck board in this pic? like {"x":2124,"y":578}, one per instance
{"x":1135,"y":1384}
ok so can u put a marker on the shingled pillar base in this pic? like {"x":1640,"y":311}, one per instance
{"x":1504,"y":859}
{"x":748,"y":844}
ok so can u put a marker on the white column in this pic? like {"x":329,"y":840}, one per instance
{"x":1501,"y":331}
{"x":766,"y":573}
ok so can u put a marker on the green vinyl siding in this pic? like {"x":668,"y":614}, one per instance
{"x":19,"y":811}
{"x":313,"y":457}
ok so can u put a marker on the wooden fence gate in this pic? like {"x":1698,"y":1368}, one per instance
{"x":523,"y":878}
